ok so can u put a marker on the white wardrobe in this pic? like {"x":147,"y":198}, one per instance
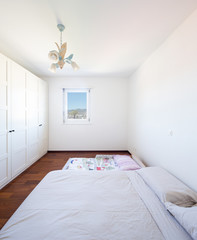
{"x":23,"y":119}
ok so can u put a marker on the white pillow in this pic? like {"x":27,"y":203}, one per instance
{"x":187,"y":217}
{"x":167,"y":187}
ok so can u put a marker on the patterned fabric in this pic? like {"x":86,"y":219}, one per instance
{"x":80,"y":164}
{"x":105,"y":162}
{"x":100,"y":163}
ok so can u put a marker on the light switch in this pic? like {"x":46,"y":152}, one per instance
{"x":170,"y":133}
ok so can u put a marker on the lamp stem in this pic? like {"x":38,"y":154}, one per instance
{"x":60,"y":39}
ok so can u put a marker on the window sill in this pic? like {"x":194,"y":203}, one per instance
{"x":77,"y":123}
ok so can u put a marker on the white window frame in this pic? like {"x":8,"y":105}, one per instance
{"x":65,"y":106}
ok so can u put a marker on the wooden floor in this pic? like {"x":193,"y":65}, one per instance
{"x":12,"y":195}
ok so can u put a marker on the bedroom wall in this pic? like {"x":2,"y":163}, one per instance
{"x":163,"y":105}
{"x":109,"y":115}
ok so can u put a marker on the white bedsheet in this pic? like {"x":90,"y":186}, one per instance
{"x":84,"y":206}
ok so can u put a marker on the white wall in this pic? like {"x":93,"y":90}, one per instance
{"x":163,"y":97}
{"x":109,"y":116}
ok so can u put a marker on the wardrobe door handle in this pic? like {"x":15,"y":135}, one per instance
{"x":40,"y":125}
{"x":11,"y":131}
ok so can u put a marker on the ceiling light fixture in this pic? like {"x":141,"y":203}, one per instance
{"x":57,"y":57}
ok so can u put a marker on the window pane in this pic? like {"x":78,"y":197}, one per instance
{"x":77,"y":105}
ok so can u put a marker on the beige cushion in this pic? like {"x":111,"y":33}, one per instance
{"x":167,"y":187}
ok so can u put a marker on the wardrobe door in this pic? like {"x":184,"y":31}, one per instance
{"x":18,"y":110}
{"x":43,"y":117}
{"x":5,"y":173}
{"x":32,"y":117}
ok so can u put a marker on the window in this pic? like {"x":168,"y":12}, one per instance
{"x":76,"y":105}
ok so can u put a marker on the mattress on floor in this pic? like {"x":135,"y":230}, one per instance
{"x":104,"y":163}
{"x":92,"y":205}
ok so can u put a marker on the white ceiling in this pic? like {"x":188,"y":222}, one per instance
{"x":107,"y":37}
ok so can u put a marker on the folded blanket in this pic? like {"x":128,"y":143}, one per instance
{"x":126,"y":163}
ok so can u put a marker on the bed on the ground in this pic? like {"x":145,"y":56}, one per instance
{"x":103,"y":205}
{"x":104,"y":163}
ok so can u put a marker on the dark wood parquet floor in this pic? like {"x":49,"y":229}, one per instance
{"x":13,"y":194}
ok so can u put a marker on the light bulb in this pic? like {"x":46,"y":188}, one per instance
{"x":53,"y":68}
{"x":74,"y":66}
{"x":53,"y":56}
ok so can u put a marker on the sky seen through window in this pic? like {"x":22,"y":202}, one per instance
{"x":77,"y":100}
